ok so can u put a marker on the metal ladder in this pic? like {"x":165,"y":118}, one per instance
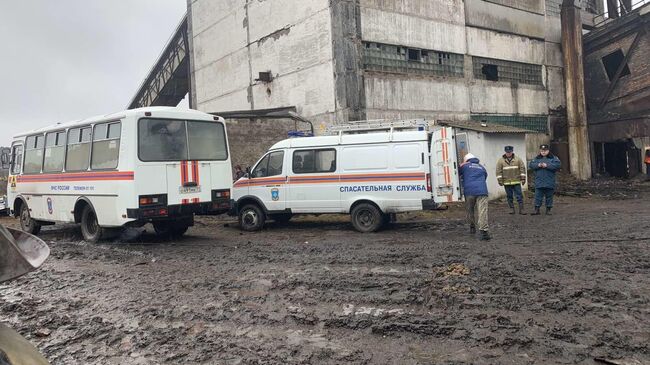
{"x":377,"y":125}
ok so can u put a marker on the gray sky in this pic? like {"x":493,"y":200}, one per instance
{"x":62,"y":60}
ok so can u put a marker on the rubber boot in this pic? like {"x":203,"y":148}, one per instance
{"x":485,"y":236}
{"x":472,"y":230}
{"x":548,"y":211}
{"x":521,"y":209}
{"x":512,"y":209}
{"x":536,"y":212}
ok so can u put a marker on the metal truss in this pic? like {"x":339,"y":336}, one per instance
{"x":168,"y":80}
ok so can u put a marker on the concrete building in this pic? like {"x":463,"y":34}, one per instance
{"x":498,"y":61}
{"x":617,"y":85}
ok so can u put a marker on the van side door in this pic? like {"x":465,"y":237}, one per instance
{"x":313,"y":181}
{"x":445,"y":181}
{"x":268,"y":181}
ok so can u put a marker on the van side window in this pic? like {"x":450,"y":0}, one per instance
{"x":106,"y":146}
{"x":34,"y":154}
{"x":54,"y":152}
{"x":16,"y":159}
{"x":78,"y":149}
{"x":314,"y":161}
{"x":270,"y":165}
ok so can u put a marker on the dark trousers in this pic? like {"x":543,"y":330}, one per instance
{"x":647,"y":170}
{"x":514,"y":190}
{"x":541,"y":193}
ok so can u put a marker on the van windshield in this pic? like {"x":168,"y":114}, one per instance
{"x":178,"y":140}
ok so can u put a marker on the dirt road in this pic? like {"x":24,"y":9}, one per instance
{"x":559,"y":289}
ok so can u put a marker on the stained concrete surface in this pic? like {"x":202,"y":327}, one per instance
{"x":560,"y":289}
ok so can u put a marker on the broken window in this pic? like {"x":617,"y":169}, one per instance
{"x":501,"y":70}
{"x":491,"y":72}
{"x":612,"y":62}
{"x":414,"y":54}
{"x":390,"y":58}
{"x":538,"y":123}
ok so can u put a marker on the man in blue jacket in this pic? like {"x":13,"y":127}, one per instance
{"x":545,"y":165}
{"x":474,"y":175}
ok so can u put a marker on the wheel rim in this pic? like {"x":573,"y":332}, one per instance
{"x":366,"y":218}
{"x":249,"y":218}
{"x":92,"y":225}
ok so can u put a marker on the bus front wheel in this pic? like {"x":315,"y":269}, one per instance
{"x":90,"y":228}
{"x":28,"y":224}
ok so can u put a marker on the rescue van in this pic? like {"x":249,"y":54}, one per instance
{"x":155,"y":165}
{"x":369,"y":170}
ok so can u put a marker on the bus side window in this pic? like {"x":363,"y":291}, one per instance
{"x":34,"y":154}
{"x":54,"y":152}
{"x":78,"y":149}
{"x":16,"y":160}
{"x":106,"y":146}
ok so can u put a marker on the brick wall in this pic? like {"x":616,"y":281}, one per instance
{"x":249,"y":139}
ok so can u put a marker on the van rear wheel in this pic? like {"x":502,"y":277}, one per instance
{"x":366,"y":218}
{"x":90,"y":228}
{"x":251,"y":218}
{"x":27,"y":224}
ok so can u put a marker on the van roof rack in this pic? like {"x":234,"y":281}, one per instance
{"x":378,"y":125}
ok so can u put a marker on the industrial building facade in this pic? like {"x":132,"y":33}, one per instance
{"x":498,"y":61}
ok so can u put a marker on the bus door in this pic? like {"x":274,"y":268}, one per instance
{"x":188,"y":182}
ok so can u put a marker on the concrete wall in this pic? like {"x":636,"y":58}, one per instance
{"x":234,"y":40}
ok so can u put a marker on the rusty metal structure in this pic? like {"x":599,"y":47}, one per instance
{"x":575,"y":91}
{"x":168,"y":81}
{"x":617,"y":87}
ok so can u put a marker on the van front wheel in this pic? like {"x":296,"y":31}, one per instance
{"x":251,"y":218}
{"x":366,"y":218}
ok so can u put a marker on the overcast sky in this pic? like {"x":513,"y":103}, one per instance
{"x":62,"y":60}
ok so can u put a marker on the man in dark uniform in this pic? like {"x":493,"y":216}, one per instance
{"x":545,"y":165}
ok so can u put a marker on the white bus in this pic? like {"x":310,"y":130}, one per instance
{"x":154,"y":165}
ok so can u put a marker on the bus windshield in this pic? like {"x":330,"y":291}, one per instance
{"x":178,"y":140}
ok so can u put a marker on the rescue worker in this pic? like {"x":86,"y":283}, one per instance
{"x":647,"y":164}
{"x":474,"y":177}
{"x":545,"y":165}
{"x":239,"y":173}
{"x":511,"y":174}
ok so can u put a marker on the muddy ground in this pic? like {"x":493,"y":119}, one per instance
{"x":560,"y":289}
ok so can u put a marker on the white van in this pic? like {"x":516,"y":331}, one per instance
{"x":367,"y":169}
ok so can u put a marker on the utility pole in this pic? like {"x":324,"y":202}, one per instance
{"x":579,"y":153}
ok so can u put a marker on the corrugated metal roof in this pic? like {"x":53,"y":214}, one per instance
{"x":483,"y":127}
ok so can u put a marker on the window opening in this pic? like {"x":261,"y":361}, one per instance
{"x":612,"y":62}
{"x":78,"y":156}
{"x":34,"y":154}
{"x":314,"y":161}
{"x":54,"y":152}
{"x":491,"y":72}
{"x":106,"y":146}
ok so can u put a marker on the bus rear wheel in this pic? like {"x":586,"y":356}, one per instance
{"x":366,"y":218}
{"x":169,"y":229}
{"x":27,"y":224}
{"x":90,"y":228}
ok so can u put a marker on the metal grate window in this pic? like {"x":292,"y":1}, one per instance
{"x":398,"y":59}
{"x":500,"y":70}
{"x":538,"y":123}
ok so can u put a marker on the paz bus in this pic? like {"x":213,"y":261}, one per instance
{"x":156,"y":165}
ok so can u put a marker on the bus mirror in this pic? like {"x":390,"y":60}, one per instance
{"x":4,"y":159}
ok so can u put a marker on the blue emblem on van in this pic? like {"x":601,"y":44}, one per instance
{"x":275,"y":194}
